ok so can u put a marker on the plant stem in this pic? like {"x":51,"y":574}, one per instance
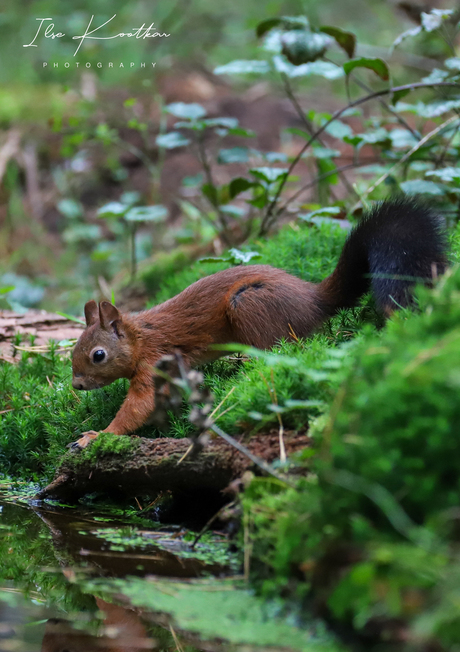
{"x":270,"y":215}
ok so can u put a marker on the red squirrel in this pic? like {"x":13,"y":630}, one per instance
{"x":394,"y":245}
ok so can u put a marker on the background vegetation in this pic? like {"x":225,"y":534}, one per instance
{"x":134,"y":184}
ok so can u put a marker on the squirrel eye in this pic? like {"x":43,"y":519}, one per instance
{"x":99,"y":355}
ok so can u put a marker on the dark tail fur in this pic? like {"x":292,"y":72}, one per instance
{"x":398,"y":243}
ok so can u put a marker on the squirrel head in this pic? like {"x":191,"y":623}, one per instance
{"x":103,"y":352}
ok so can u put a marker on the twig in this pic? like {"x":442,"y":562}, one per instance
{"x":310,"y":128}
{"x":404,"y":158}
{"x":222,"y":401}
{"x":269,"y":218}
{"x":256,"y":460}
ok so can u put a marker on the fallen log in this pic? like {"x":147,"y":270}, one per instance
{"x":155,"y":465}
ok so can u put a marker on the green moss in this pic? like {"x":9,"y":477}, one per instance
{"x":385,"y":480}
{"x":220,"y":611}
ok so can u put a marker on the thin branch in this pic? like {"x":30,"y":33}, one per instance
{"x":406,"y":156}
{"x":310,"y":127}
{"x":269,"y":217}
{"x":256,"y":460}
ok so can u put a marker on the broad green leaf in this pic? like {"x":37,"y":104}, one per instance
{"x":321,"y":68}
{"x":130,"y":197}
{"x":434,"y":19}
{"x":437,"y":75}
{"x":320,"y":215}
{"x":270,"y":175}
{"x":156,"y":213}
{"x":447,"y":175}
{"x":234,"y":211}
{"x":243,"y":67}
{"x":112,"y":209}
{"x":453,"y":64}
{"x":233,"y":155}
{"x":275,"y":157}
{"x":172,"y":140}
{"x":192,"y":111}
{"x":239,"y":185}
{"x":229,"y":123}
{"x":303,"y":46}
{"x":377,"y":65}
{"x":420,"y":187}
{"x":80,"y":232}
{"x":323,"y":152}
{"x":287,"y":22}
{"x":339,"y":129}
{"x":7,"y":289}
{"x":346,"y":40}
{"x":402,"y":138}
{"x":70,"y":208}
{"x":432,"y":110}
{"x":239,"y":131}
{"x":210,"y":192}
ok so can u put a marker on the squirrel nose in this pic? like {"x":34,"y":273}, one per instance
{"x":77,"y":384}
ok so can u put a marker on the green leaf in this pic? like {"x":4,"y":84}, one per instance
{"x":228,"y":123}
{"x":339,"y":129}
{"x":346,"y":40}
{"x":447,"y":175}
{"x":320,"y":215}
{"x":437,"y":75}
{"x":233,"y":155}
{"x":275,"y":157}
{"x":302,"y":46}
{"x":130,"y":197}
{"x":434,"y":19}
{"x":7,"y":289}
{"x":156,"y":213}
{"x":432,"y":110}
{"x":239,"y":131}
{"x":70,"y":208}
{"x":113,"y":209}
{"x":287,"y":22}
{"x":210,"y":192}
{"x":323,"y":152}
{"x":172,"y":140}
{"x":453,"y":64}
{"x":243,"y":67}
{"x":191,"y":111}
{"x":266,"y":25}
{"x":321,"y":68}
{"x":420,"y":187}
{"x":270,"y":175}
{"x":71,"y":318}
{"x":377,"y":65}
{"x":239,"y":185}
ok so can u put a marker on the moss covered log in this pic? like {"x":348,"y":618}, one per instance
{"x":135,"y":466}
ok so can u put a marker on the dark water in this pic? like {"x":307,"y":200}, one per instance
{"x":46,"y":553}
{"x":72,"y":580}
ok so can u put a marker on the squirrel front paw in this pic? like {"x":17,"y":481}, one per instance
{"x":85,"y":439}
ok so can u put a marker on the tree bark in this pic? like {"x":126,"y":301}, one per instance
{"x":157,"y":465}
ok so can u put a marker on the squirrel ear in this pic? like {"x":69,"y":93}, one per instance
{"x":109,"y":316}
{"x":91,"y":313}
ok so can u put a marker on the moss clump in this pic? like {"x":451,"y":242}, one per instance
{"x":104,"y":446}
{"x":374,"y":529}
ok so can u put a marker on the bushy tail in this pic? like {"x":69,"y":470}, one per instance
{"x":398,"y":243}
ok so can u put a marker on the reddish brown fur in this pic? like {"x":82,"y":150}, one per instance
{"x":256,"y":305}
